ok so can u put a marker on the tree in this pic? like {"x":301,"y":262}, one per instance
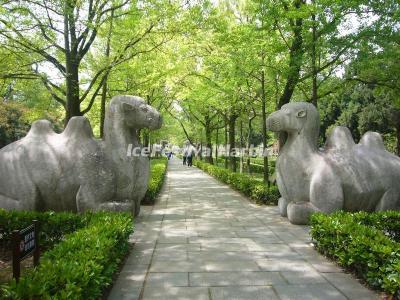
{"x":60,"y":34}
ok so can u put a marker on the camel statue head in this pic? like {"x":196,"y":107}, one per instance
{"x":295,"y":118}
{"x":135,"y":112}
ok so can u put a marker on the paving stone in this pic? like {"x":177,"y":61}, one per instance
{"x":167,"y":279}
{"x":124,"y":293}
{"x":308,"y":292}
{"x":307,"y":277}
{"x":169,"y":255}
{"x":175,"y":293}
{"x":286,"y":264}
{"x":173,"y":240}
{"x":224,"y":247}
{"x":135,"y":268}
{"x":177,"y":247}
{"x":137,"y":258}
{"x":243,"y":293}
{"x":226,"y":255}
{"x":350,"y":287}
{"x":271,"y":248}
{"x":230,"y":265}
{"x":235,"y":278}
{"x":323,"y":265}
{"x":177,"y":266}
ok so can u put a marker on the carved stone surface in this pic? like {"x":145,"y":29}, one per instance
{"x":345,"y":175}
{"x":73,"y":171}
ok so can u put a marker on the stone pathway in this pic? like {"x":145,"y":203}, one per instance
{"x":203,"y":240}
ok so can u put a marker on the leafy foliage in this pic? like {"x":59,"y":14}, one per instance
{"x":246,"y":184}
{"x":367,"y":244}
{"x":158,"y":168}
{"x":80,"y":266}
{"x":12,"y":127}
{"x":53,"y":226}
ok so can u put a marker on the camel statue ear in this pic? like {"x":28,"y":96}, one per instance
{"x":302,"y":114}
{"x":127,"y":107}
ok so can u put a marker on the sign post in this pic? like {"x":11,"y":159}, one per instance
{"x":25,"y":243}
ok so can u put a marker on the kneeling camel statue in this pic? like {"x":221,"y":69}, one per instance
{"x":73,"y":171}
{"x":343,"y":176}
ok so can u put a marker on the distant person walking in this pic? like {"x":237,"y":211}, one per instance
{"x":168,"y":152}
{"x":185,"y":152}
{"x":190,"y":153}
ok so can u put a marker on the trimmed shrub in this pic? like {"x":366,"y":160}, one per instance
{"x":80,"y":266}
{"x":158,"y":168}
{"x":256,"y":165}
{"x":363,"y":243}
{"x":246,"y":184}
{"x":53,"y":226}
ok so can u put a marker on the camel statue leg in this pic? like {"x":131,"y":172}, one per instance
{"x":282,"y":205}
{"x":86,"y":199}
{"x":299,"y":212}
{"x":326,"y":195}
{"x":118,"y":206}
{"x":389,"y":201}
{"x":26,"y":197}
{"x":89,"y":198}
{"x":10,"y":204}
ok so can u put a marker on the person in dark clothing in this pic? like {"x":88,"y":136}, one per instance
{"x":189,"y":161}
{"x":185,"y":152}
{"x":190,"y":154}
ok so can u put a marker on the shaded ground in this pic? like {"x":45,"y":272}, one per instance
{"x":6,"y":265}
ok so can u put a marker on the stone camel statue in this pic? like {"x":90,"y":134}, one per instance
{"x":73,"y":171}
{"x":343,"y":176}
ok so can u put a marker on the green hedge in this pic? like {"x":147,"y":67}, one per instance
{"x":158,"y":168}
{"x":80,"y":266}
{"x":367,"y":244}
{"x":256,"y":165}
{"x":246,"y":184}
{"x":53,"y":226}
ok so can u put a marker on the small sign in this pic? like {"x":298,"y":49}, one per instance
{"x":25,"y":243}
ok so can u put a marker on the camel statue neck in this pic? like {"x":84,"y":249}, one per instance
{"x":117,"y":136}
{"x":300,"y":142}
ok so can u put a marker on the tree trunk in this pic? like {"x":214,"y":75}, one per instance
{"x":72,"y":90}
{"x":105,"y":82}
{"x":216,"y":145}
{"x":232,"y":154}
{"x":207,"y":123}
{"x":398,"y":140}
{"x":103,"y":106}
{"x":296,"y":52}
{"x":71,"y":67}
{"x":264,"y":128}
{"x":395,"y":118}
{"x":241,"y":147}
{"x":201,"y":150}
{"x":249,"y":135}
{"x":146,"y":138}
{"x":226,"y":144}
{"x":314,"y":97}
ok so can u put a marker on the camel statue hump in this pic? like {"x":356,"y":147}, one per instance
{"x":78,"y":128}
{"x":40,"y":128}
{"x":372,"y":140}
{"x":340,"y":139}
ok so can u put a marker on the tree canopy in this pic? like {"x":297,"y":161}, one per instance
{"x":214,"y":68}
